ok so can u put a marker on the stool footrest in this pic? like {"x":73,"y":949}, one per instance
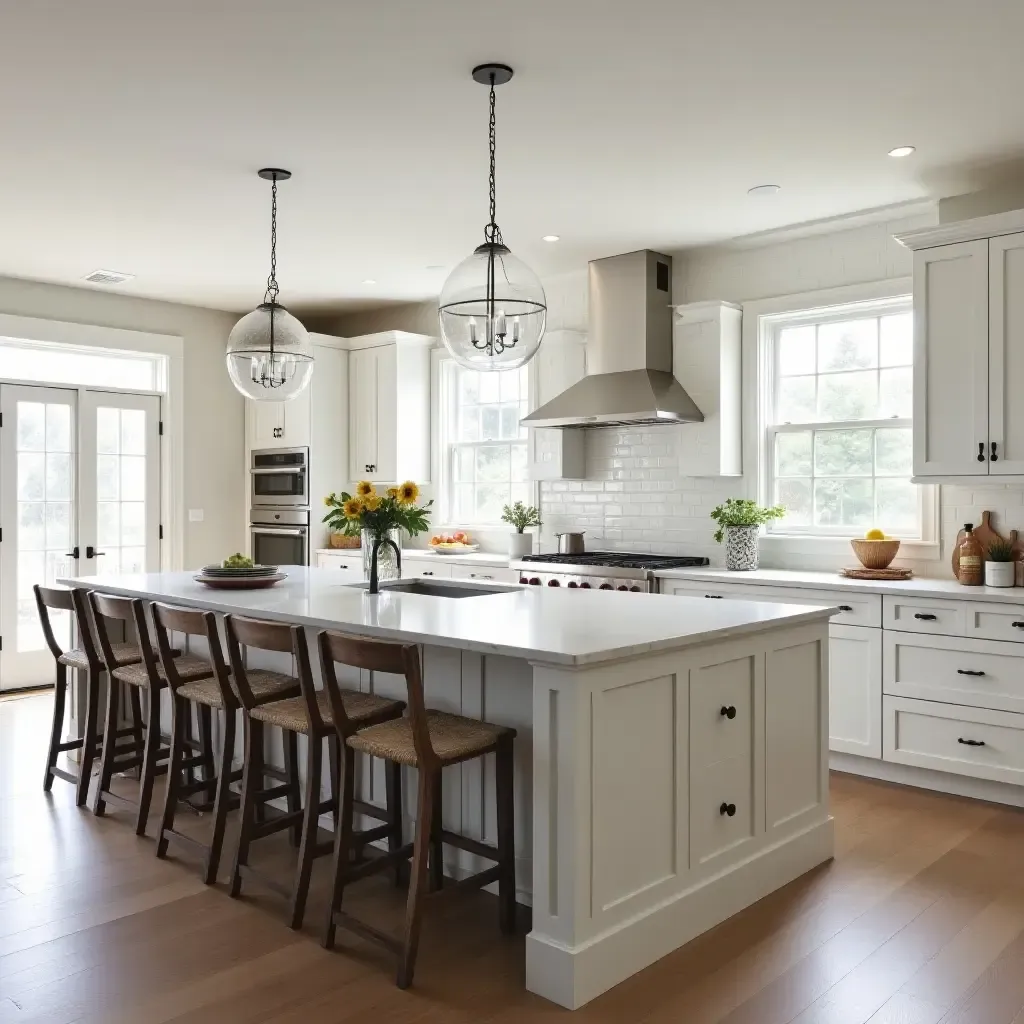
{"x":59,"y":773}
{"x":112,"y":798}
{"x":71,"y":745}
{"x":366,"y":931}
{"x":370,"y":835}
{"x":379,"y":862}
{"x":276,"y":824}
{"x":187,"y":841}
{"x":268,"y":883}
{"x":477,"y":881}
{"x":263,"y":795}
{"x":461,"y":842}
{"x":370,"y":810}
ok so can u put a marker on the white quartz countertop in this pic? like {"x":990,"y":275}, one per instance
{"x":922,"y":586}
{"x":491,"y":558}
{"x":563,"y":627}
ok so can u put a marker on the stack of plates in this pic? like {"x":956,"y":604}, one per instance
{"x":238,"y":571}
{"x":240,"y":577}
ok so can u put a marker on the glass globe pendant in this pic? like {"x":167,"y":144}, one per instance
{"x":492,"y":309}
{"x":270,"y":356}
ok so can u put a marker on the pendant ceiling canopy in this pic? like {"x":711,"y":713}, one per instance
{"x":270,"y":356}
{"x":492,"y":310}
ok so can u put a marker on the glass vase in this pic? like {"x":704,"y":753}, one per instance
{"x":387,"y":563}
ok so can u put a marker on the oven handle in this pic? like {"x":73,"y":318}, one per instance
{"x":279,"y":530}
{"x":278,"y":470}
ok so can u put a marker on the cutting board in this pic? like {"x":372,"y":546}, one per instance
{"x":984,"y":533}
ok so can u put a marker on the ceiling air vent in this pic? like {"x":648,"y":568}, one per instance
{"x":108,"y":277}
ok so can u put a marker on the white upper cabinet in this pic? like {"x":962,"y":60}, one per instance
{"x":969,"y":348}
{"x":389,"y":407}
{"x":556,"y":454}
{"x":706,"y":343}
{"x":286,"y":424}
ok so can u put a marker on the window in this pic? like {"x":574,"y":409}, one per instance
{"x":838,"y":400}
{"x":483,"y":446}
{"x":54,"y":363}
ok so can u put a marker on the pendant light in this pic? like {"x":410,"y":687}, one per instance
{"x":270,"y":357}
{"x":492,"y":308}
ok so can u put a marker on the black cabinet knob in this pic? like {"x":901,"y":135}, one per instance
{"x":729,"y":712}
{"x":981,"y":451}
{"x":970,"y":743}
{"x":727,"y":809}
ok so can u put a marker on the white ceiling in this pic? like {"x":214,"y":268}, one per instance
{"x":132,"y":130}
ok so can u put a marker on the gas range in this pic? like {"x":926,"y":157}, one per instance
{"x":600,"y":570}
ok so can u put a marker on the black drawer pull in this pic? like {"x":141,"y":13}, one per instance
{"x":969,"y":672}
{"x":925,"y":616}
{"x":729,"y":809}
{"x":718,"y":597}
{"x":995,"y":457}
{"x":428,"y":572}
{"x":970,"y":743}
{"x":846,"y":607}
{"x":981,"y":451}
{"x":1018,"y":625}
{"x":729,"y":712}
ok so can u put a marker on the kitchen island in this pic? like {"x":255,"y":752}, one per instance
{"x":671,"y":761}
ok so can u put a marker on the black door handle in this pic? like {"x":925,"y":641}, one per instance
{"x":995,"y":458}
{"x":728,"y":809}
{"x":970,"y":743}
{"x":969,"y":672}
{"x":729,"y":712}
{"x":91,"y":552}
{"x":981,"y":451}
{"x":72,"y":554}
{"x":925,"y":616}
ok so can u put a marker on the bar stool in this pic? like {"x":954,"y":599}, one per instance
{"x":84,"y":659}
{"x":428,"y":741}
{"x":309,"y":714}
{"x":145,"y":675}
{"x":209,"y":693}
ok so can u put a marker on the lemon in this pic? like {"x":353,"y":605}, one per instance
{"x":875,"y":534}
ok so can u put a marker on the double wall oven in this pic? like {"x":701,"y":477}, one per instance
{"x":279,"y":506}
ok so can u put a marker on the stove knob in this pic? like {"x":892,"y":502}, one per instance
{"x":605,"y":586}
{"x":572,"y":584}
{"x":523,"y":579}
{"x":634,"y":590}
{"x":554,"y":583}
{"x":534,"y":581}
{"x":584,"y":586}
{"x":622,"y":588}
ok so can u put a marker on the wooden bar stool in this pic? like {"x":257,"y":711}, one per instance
{"x":147,"y":753}
{"x":207,"y":694}
{"x":309,"y":714}
{"x":428,"y":741}
{"x":83,"y":658}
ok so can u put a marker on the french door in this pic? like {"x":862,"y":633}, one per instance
{"x":79,"y":495}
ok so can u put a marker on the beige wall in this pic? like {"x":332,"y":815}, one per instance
{"x":214,"y":411}
{"x":415,"y":317}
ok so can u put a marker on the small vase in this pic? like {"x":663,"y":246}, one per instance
{"x":999,"y":574}
{"x":741,"y":547}
{"x":388,"y":560}
{"x":520,"y":544}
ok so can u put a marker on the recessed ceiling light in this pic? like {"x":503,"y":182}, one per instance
{"x":763,"y":190}
{"x":435,"y":266}
{"x":369,"y":280}
{"x":902,"y":151}
{"x":551,"y":238}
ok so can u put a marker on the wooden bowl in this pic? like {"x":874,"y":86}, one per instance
{"x":875,"y":554}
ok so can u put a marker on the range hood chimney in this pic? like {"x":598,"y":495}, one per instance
{"x":629,"y":351}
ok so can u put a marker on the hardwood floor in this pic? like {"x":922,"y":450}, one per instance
{"x":919,"y":920}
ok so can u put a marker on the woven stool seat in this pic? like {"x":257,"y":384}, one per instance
{"x":125,"y":654}
{"x":453,"y":738}
{"x":188,"y":666}
{"x":291,"y":713}
{"x":264,"y":684}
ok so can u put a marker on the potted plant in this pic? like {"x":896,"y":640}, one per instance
{"x":739,"y":521}
{"x":522,"y":517}
{"x":999,"y":564}
{"x":379,"y":520}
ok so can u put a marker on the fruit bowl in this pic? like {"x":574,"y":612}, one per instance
{"x":875,"y":554}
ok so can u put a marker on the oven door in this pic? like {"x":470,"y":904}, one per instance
{"x":279,"y":545}
{"x":279,"y":478}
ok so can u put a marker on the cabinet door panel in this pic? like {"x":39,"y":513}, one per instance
{"x":386,"y":415}
{"x":266,"y":424}
{"x":295,"y":418}
{"x":1006,"y":354}
{"x":363,"y":405}
{"x":951,"y":360}
{"x":855,"y":690}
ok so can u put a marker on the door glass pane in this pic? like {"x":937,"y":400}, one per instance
{"x":121,"y":489}
{"x":133,"y":432}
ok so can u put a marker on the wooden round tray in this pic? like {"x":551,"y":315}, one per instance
{"x":858,"y":572}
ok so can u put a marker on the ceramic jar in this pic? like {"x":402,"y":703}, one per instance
{"x":520,"y":544}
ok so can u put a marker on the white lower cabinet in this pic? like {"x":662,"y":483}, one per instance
{"x":855,"y":690}
{"x":484,"y":573}
{"x":721,"y":809}
{"x":426,"y":567}
{"x":337,"y":560}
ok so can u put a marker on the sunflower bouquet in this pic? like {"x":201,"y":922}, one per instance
{"x":350,"y":514}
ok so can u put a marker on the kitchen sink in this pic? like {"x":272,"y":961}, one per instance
{"x":438,"y":588}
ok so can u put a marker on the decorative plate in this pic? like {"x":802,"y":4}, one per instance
{"x":453,"y":549}
{"x":240,"y":583}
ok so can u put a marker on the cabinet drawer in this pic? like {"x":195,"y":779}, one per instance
{"x":495,"y":573}
{"x":714,"y":791}
{"x":856,"y":609}
{"x":721,"y":712}
{"x":423,"y":567}
{"x":950,"y":738}
{"x":348,"y":562}
{"x":995,"y":621}
{"x":980,"y":673}
{"x":924,"y":615}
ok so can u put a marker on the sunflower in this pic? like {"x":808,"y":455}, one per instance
{"x":372,"y":502}
{"x":393,"y":493}
{"x":353,"y":508}
{"x":330,"y":499}
{"x":364,"y":489}
{"x":408,"y":493}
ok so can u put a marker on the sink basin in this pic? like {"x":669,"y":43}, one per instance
{"x":437,"y":588}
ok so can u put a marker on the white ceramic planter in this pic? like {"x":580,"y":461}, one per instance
{"x":1000,"y":574}
{"x":520,"y":544}
{"x":741,"y":548}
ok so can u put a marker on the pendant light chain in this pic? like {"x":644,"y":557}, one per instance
{"x":492,"y":233}
{"x":272,"y":288}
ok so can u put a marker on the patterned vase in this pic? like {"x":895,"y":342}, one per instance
{"x":741,"y":547}
{"x":387,"y":564}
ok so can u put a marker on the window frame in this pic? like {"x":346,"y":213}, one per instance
{"x":444,"y":370}
{"x":762,"y":320}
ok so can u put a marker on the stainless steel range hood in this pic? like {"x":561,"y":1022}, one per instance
{"x":629,"y":351}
